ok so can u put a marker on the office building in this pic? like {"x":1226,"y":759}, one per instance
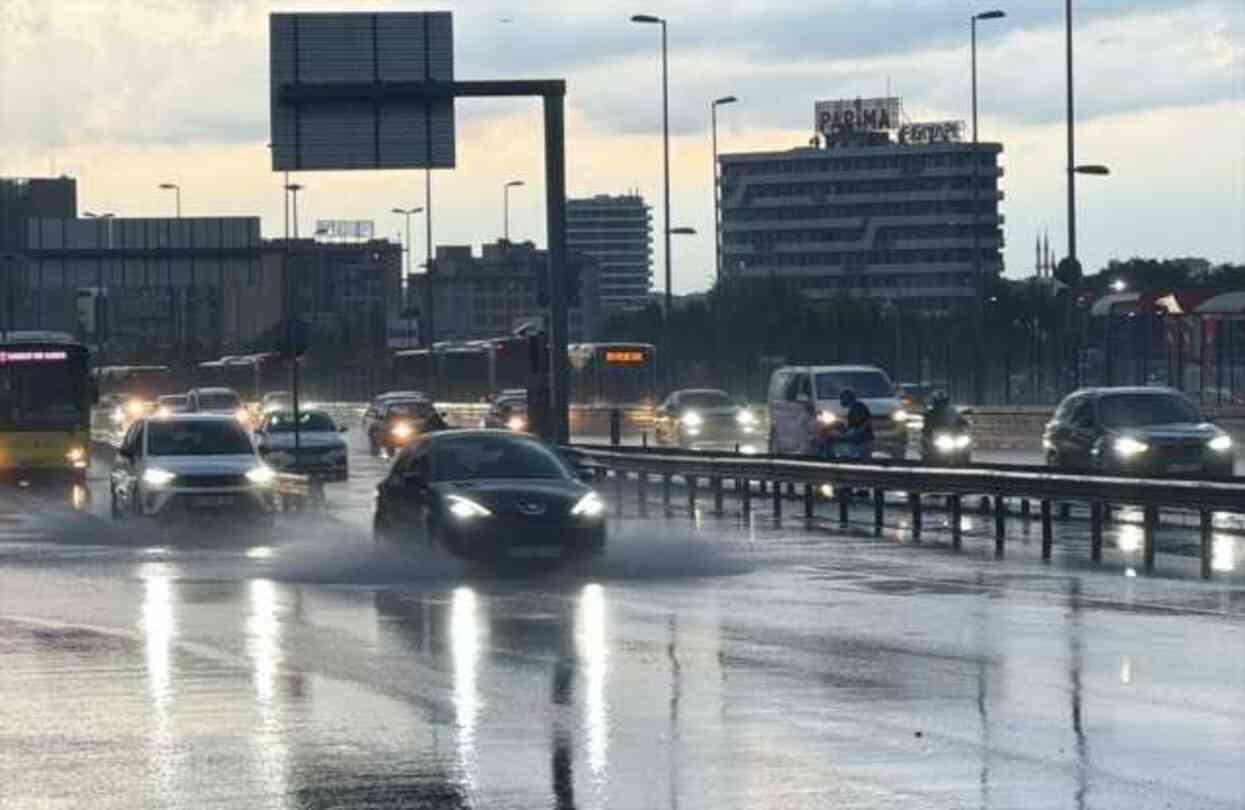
{"x":863,"y":214}
{"x":506,"y":286}
{"x":23,"y":199}
{"x":348,"y":292}
{"x":615,"y":231}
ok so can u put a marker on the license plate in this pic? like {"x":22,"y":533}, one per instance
{"x":212,"y":501}
{"x":1183,"y":468}
{"x":536,"y":552}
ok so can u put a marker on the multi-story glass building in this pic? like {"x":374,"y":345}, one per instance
{"x":616,"y":231}
{"x":907,"y":222}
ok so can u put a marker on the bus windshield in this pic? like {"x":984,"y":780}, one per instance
{"x":42,"y":395}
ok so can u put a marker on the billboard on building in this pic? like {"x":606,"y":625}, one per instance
{"x":857,"y":115}
{"x":932,"y":132}
{"x":345,"y":230}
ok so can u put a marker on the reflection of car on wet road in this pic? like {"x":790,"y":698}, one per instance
{"x":706,"y":419}
{"x":489,"y":495}
{"x":190,"y":466}
{"x":393,"y":423}
{"x":320,"y":452}
{"x":1145,"y":431}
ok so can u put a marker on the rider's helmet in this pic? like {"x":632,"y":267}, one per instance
{"x":847,"y":397}
{"x":939,"y":399}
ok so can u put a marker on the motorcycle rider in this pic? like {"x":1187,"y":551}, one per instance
{"x":855,"y":440}
{"x":940,"y":414}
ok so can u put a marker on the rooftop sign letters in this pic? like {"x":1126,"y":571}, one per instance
{"x":857,"y":115}
{"x":932,"y":132}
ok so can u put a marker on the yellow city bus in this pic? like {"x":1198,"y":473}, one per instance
{"x":46,"y":394}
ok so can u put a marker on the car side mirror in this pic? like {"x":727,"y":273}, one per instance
{"x":342,"y":429}
{"x":586,"y":474}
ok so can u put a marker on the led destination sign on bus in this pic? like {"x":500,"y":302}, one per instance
{"x":624,"y":357}
{"x":32,"y":357}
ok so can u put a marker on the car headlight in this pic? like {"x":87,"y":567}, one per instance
{"x":827,"y":417}
{"x":1221,"y":443}
{"x":118,"y":415}
{"x":242,"y":415}
{"x":1128,"y":447}
{"x":516,"y":423}
{"x":746,"y":417}
{"x":163,"y":412}
{"x":900,"y":416}
{"x":589,"y":506}
{"x":951,"y":442}
{"x":156,"y":477}
{"x":134,"y":408}
{"x":692,"y":419}
{"x":76,"y":457}
{"x":466,"y":509}
{"x":262,"y":476}
{"x":402,"y":431}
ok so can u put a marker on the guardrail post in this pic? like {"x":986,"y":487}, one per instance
{"x":957,"y":521}
{"x":665,"y":494}
{"x":615,"y":427}
{"x":879,"y":511}
{"x":1151,"y":524}
{"x":619,"y":476}
{"x":692,"y":483}
{"x":716,"y":484}
{"x":1095,"y":531}
{"x":1208,"y":544}
{"x":1065,"y":511}
{"x":1048,"y":531}
{"x":1024,"y":508}
{"x":1000,"y":524}
{"x":791,"y":489}
{"x":809,"y":502}
{"x":914,"y":501}
{"x":777,"y":499}
{"x":845,"y":504}
{"x":745,"y":495}
{"x":642,"y":491}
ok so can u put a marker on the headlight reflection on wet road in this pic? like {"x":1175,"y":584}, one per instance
{"x":593,"y":651}
{"x":465,"y":630}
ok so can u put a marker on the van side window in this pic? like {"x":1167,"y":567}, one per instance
{"x":778,"y":385}
{"x":799,"y":385}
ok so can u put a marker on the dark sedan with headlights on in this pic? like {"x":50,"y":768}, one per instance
{"x":488,"y":496}
{"x":1136,"y":431}
{"x":707,"y":419}
{"x":394,"y":423}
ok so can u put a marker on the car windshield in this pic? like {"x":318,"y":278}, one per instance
{"x":400,"y":409}
{"x":219,"y":402}
{"x":705,"y":399}
{"x":216,"y":437}
{"x":466,"y":458}
{"x":284,"y":423}
{"x":865,"y":384}
{"x":1136,"y":410}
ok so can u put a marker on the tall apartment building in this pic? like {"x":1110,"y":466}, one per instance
{"x":617,"y":232}
{"x":905,"y":220}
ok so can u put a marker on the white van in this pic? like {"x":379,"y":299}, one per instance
{"x":802,"y":397}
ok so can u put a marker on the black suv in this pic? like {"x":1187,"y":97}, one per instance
{"x":1142,"y":431}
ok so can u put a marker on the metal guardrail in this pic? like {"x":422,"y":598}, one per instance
{"x":997,"y":481}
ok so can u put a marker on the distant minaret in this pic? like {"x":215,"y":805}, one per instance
{"x":1050,"y":259}
{"x":1037,"y":255}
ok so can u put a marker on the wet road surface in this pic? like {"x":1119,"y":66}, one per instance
{"x":696,"y":665}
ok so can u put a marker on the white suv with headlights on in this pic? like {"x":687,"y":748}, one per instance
{"x":191,"y":466}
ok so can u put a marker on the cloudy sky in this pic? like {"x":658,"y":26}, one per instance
{"x":125,"y":94}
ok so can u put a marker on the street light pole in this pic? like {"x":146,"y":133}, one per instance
{"x":1068,"y":124}
{"x":979,"y":320}
{"x":407,"y":213}
{"x":665,"y":144}
{"x":506,"y":207}
{"x":294,"y":188}
{"x":717,"y":186}
{"x":177,"y":191}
